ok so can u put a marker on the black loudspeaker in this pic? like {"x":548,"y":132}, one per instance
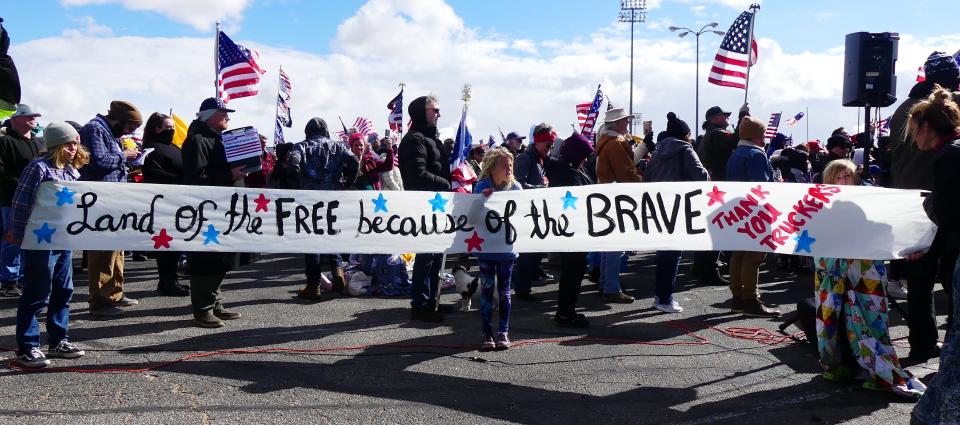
{"x":869,"y":77}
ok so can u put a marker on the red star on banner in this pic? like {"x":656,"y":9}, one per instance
{"x":474,"y":242}
{"x":262,"y":203}
{"x":162,"y":240}
{"x":716,"y":196}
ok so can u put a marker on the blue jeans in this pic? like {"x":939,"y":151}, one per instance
{"x":425,"y":291}
{"x":9,"y":253}
{"x":668,"y":262}
{"x":47,"y":282}
{"x":495,"y":275}
{"x":610,"y":265}
{"x":938,"y":404}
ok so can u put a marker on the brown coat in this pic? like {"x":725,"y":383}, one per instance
{"x":615,"y":159}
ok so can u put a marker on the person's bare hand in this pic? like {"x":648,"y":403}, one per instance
{"x":131,"y":153}
{"x":238,"y":172}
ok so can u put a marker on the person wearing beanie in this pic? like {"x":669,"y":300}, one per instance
{"x":749,"y":163}
{"x":838,"y":147}
{"x":205,"y":164}
{"x":47,"y":274}
{"x":529,"y":172}
{"x":674,"y":160}
{"x":319,"y":163}
{"x":568,"y":170}
{"x":371,"y":165}
{"x":108,"y":163}
{"x":614,"y":165}
{"x":17,"y":148}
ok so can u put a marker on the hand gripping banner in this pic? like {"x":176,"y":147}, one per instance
{"x":813,"y":220}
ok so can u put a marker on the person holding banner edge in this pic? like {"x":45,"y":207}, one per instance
{"x":47,"y":275}
{"x":205,"y":164}
{"x":17,"y":149}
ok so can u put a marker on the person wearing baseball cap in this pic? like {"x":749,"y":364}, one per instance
{"x":749,"y":163}
{"x":108,"y":163}
{"x":514,"y":143}
{"x":17,"y":149}
{"x":205,"y":164}
{"x":47,"y":277}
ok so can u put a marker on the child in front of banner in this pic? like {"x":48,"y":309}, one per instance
{"x":47,"y":274}
{"x":496,"y":269}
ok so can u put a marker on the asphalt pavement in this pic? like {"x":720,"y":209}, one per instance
{"x":347,"y":360}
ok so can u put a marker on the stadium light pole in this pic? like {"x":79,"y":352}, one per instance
{"x":703,"y":30}
{"x":632,"y":11}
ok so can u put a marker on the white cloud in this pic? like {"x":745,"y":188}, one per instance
{"x":69,"y":78}
{"x":698,"y":10}
{"x":201,"y":15}
{"x":525,"y":46}
{"x":90,"y":28}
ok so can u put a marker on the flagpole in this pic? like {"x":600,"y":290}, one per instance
{"x":754,"y":7}
{"x":807,"y":115}
{"x":216,"y":62}
{"x":401,"y":127}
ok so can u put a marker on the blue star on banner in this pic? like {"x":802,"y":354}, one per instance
{"x":803,"y":242}
{"x":211,"y":235}
{"x":65,"y":196}
{"x":379,"y":204}
{"x":44,"y":233}
{"x":438,"y":203}
{"x":569,"y":201}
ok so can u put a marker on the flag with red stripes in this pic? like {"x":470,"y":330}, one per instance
{"x":773,"y":125}
{"x":730,"y":64}
{"x":238,"y":74}
{"x":361,"y":125}
{"x":395,"y":120}
{"x":921,"y":74}
{"x":587,"y":114}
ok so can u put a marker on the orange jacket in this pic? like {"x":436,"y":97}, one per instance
{"x":615,"y":159}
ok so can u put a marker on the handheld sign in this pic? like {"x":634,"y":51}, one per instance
{"x":242,"y":146}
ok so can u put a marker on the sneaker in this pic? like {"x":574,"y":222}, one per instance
{"x":736,"y":305}
{"x":896,"y":289}
{"x":224,"y":314}
{"x":754,"y":308}
{"x":487,"y":344}
{"x":126,"y":302}
{"x":106,"y":310}
{"x":66,"y":350}
{"x":207,"y":320}
{"x":575,"y":320}
{"x":11,"y":290}
{"x":503,"y":342}
{"x":33,"y":359}
{"x":619,"y":298}
{"x":425,"y":315}
{"x":672,"y":307}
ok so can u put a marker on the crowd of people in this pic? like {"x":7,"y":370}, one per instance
{"x":851,"y":295}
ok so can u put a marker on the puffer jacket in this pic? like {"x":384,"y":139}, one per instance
{"x":423,"y":163}
{"x":675,"y":161}
{"x":319,"y":163}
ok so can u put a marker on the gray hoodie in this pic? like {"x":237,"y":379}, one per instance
{"x":674,"y":160}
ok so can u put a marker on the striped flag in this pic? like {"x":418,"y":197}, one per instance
{"x":587,"y":114}
{"x":921,"y":74}
{"x":285,"y":86}
{"x":462,"y":176}
{"x":395,"y":120}
{"x":278,"y":133}
{"x":361,"y":125}
{"x":238,"y":74}
{"x":884,"y":126}
{"x":773,"y":125}
{"x":793,"y":121}
{"x":730,"y":63}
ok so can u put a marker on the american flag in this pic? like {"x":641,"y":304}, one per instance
{"x":278,"y":133}
{"x":884,"y":126}
{"x":361,"y":125}
{"x":283,"y":112}
{"x":796,"y":118}
{"x":490,"y":142}
{"x":730,"y":63}
{"x":773,"y":125}
{"x":461,"y":173}
{"x":395,"y":120}
{"x":587,"y":114}
{"x":238,"y":73}
{"x":921,"y":74}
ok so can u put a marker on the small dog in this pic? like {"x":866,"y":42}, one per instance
{"x":466,"y":285}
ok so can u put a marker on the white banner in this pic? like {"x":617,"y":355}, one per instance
{"x":821,"y":220}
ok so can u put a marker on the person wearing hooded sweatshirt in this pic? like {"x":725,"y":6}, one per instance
{"x":164,"y":165}
{"x":568,"y":170}
{"x":205,"y":164}
{"x":614,"y":165}
{"x":108,"y":163}
{"x":912,"y":168}
{"x":425,"y":166}
{"x":319,"y":163}
{"x":749,"y":163}
{"x":674,"y":160}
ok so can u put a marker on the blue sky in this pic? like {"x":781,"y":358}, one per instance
{"x":346,"y":57}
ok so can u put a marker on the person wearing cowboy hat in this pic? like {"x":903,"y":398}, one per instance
{"x":17,"y":148}
{"x":614,"y":165}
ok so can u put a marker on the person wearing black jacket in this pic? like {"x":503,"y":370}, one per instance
{"x":205,"y":164}
{"x":9,"y":78}
{"x":164,"y":165}
{"x":17,"y":148}
{"x":566,"y":171}
{"x":425,"y":166}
